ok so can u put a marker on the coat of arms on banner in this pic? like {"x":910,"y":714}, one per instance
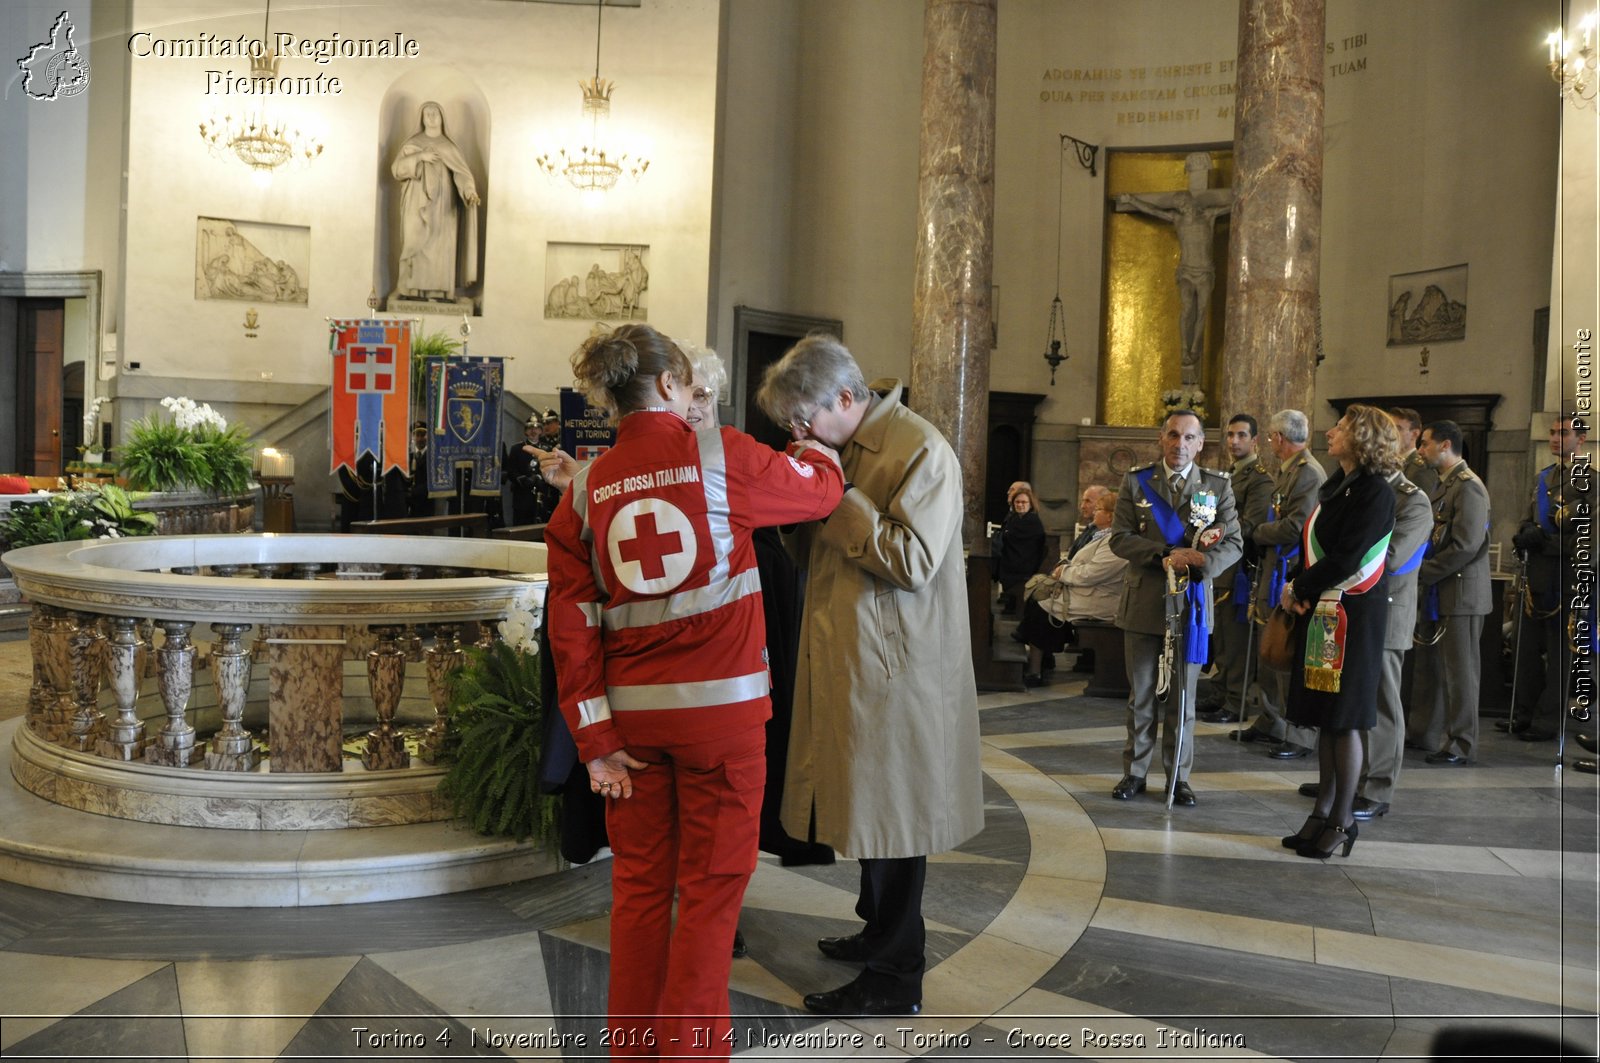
{"x":371,"y":392}
{"x":464,"y":396}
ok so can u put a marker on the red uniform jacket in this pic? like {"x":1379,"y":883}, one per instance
{"x":655,"y":603}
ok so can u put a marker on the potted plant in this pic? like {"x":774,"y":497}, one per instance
{"x":103,"y":512}
{"x":196,"y":450}
{"x":497,"y":734}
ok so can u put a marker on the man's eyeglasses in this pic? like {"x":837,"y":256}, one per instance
{"x":801,"y":423}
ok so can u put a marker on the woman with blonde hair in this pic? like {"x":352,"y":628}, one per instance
{"x":656,"y":628}
{"x":1340,"y":599}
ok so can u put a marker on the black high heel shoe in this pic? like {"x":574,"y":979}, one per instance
{"x":1316,"y":852}
{"x":1300,"y":837}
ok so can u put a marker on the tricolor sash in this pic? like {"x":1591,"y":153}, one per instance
{"x":1329,"y":627}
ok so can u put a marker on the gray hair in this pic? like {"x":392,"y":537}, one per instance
{"x":1291,"y":425}
{"x":814,"y":372}
{"x":709,"y":372}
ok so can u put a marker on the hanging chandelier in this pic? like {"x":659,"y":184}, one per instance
{"x":591,"y":167}
{"x":1572,"y":64}
{"x":255,"y":138}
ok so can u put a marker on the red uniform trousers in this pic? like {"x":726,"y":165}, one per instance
{"x":691,"y":826}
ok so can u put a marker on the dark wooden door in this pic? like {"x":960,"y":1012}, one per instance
{"x":40,"y":328}
{"x":760,"y":337}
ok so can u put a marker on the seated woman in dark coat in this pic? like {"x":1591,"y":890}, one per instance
{"x":1021,"y":545}
{"x":1341,"y":603}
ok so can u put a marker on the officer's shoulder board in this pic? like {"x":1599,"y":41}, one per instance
{"x":1142,"y":468}
{"x":1220,"y":474}
{"x":1406,"y":487}
{"x":1260,"y":468}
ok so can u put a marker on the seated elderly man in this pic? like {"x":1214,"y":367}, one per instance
{"x":1090,"y":585}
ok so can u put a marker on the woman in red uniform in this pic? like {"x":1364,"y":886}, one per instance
{"x":656,"y":626}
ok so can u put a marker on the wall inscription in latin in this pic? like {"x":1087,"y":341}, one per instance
{"x":1175,"y":92}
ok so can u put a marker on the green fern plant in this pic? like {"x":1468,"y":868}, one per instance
{"x":497,"y":716}
{"x":161,"y":456}
{"x":424,"y":346}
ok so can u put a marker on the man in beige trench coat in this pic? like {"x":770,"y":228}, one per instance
{"x":883,"y":754}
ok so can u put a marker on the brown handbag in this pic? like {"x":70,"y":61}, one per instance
{"x":1277,"y":641}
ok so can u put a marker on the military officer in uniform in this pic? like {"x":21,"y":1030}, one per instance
{"x":1252,"y":494}
{"x":1294,"y":496}
{"x":1547,"y":546}
{"x":1170,"y":514}
{"x":1385,"y":743}
{"x":1412,"y":467}
{"x":1454,"y":584}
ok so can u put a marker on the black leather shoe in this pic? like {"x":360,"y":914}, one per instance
{"x":740,"y":949}
{"x":1530,"y":735}
{"x":1587,"y":741}
{"x":1444,"y":756}
{"x":1031,"y":681}
{"x":1588,"y":767}
{"x":1182,"y":795}
{"x":1309,"y":789}
{"x":1248,"y":734}
{"x":1515,"y":727}
{"x":1365,"y":809}
{"x":854,"y":998}
{"x":852,"y":949}
{"x":1223,"y":715}
{"x":1130,"y":787}
{"x":1288,"y":751}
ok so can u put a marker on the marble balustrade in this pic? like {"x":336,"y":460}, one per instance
{"x":116,"y":722}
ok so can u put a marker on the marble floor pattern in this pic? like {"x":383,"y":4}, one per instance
{"x":1073,"y":925}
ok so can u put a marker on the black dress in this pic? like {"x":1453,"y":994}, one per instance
{"x":1354,"y":512}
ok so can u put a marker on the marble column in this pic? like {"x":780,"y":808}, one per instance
{"x":174,"y":745}
{"x":444,"y":657}
{"x":56,"y":704}
{"x":86,"y":647}
{"x":42,"y":695}
{"x":955,"y":239}
{"x":386,"y":677}
{"x":124,"y":738}
{"x":232,"y":748}
{"x":1273,"y":334}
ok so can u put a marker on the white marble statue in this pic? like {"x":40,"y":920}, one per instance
{"x":433,"y":176}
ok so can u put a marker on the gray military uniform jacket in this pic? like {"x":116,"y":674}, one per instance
{"x":1252,"y":494}
{"x":1460,"y":561}
{"x":1295,"y":495}
{"x":1413,"y":522}
{"x":1136,"y":537}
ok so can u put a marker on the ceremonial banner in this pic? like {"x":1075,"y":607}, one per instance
{"x":371,"y":392}
{"x":586,"y":431}
{"x":464,"y":426}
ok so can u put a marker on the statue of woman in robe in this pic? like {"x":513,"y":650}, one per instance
{"x":432,"y":174}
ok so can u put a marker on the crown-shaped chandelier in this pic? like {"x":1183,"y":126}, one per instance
{"x":1572,"y":64}
{"x":254,"y":137}
{"x":591,"y":167}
